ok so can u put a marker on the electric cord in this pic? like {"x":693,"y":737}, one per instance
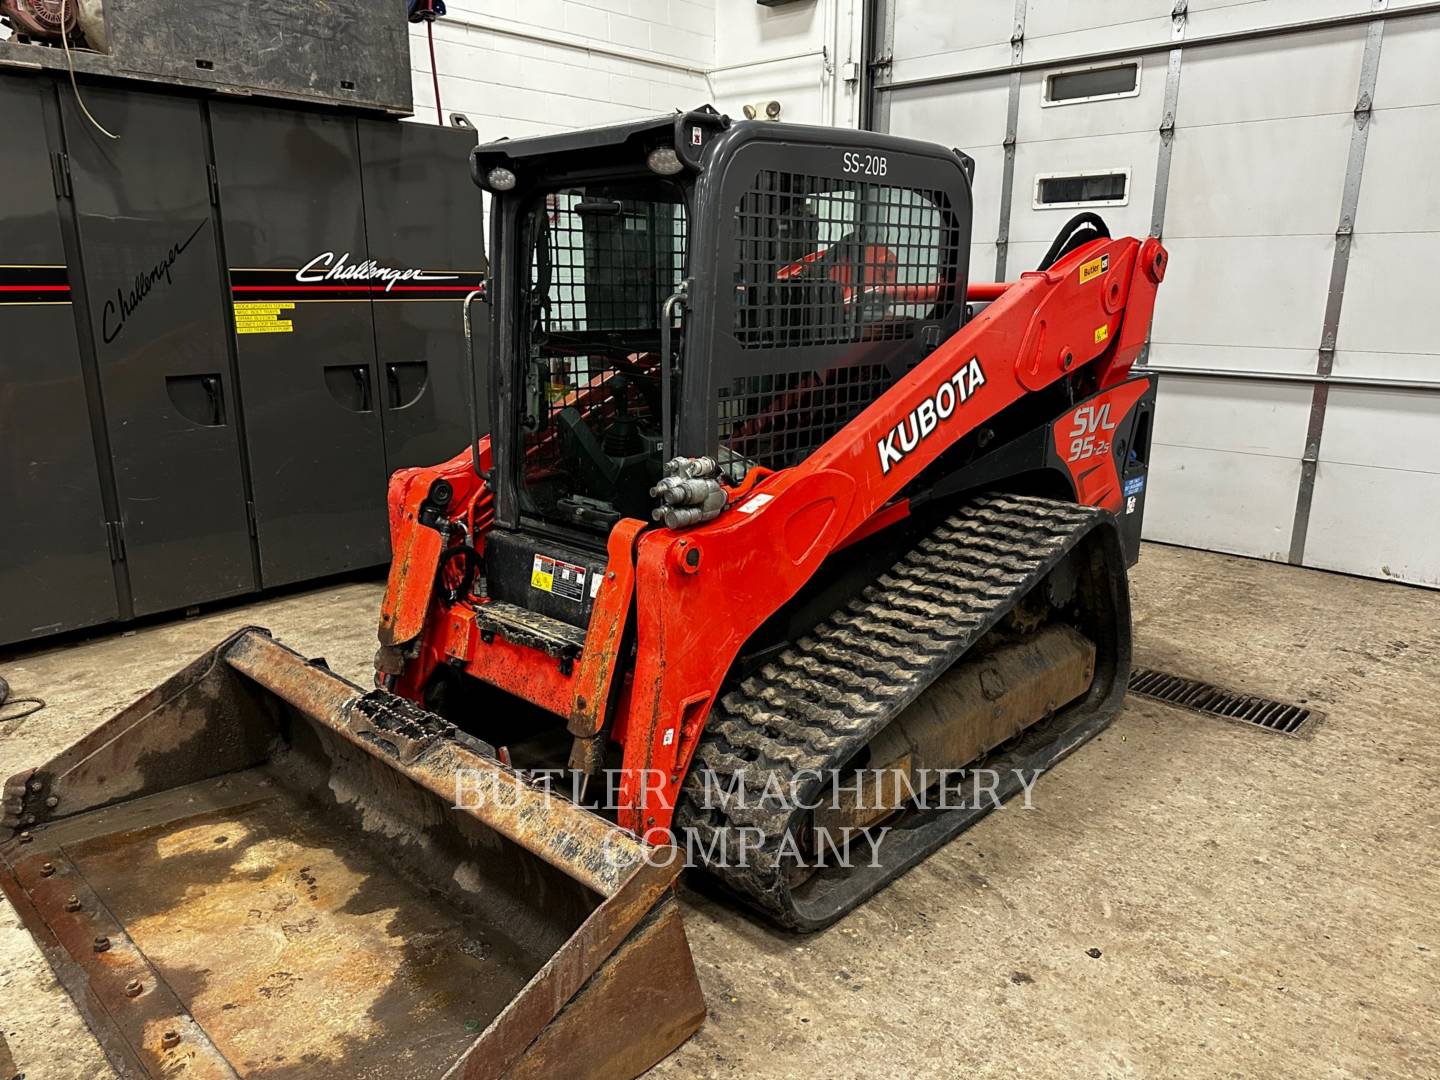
{"x":35,"y":703}
{"x":70,"y":63}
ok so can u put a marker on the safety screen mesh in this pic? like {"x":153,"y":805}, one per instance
{"x":777,"y":420}
{"x":603,"y":261}
{"x":821,"y":261}
{"x":613,"y":261}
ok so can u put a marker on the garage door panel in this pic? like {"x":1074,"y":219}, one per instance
{"x":1087,"y":119}
{"x":1293,"y":75}
{"x":1118,"y":35}
{"x":1408,"y":73}
{"x":1390,"y":294}
{"x":1421,"y":367}
{"x":1239,"y":503}
{"x":1402,"y":146}
{"x":972,"y":118}
{"x":1257,"y":179}
{"x":1256,"y":186}
{"x":1383,"y":428}
{"x":1050,"y":17}
{"x":1025,"y":256}
{"x":985,"y":192}
{"x":928,"y":29}
{"x":1248,"y":290}
{"x":923,"y":66}
{"x":929,"y":39}
{"x":1223,"y":16}
{"x":1368,"y":521}
{"x":1240,"y":416}
{"x":1135,"y":152}
{"x":982,"y":262}
{"x":1233,"y":358}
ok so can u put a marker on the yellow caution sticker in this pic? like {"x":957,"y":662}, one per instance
{"x":558,"y":578}
{"x":264,"y":317}
{"x":1094,"y":268}
{"x":1101,"y":333}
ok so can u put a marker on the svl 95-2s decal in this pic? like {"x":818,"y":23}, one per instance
{"x":1088,"y":431}
{"x":1084,"y":440}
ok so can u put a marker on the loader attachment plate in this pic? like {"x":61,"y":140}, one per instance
{"x":325,"y":909}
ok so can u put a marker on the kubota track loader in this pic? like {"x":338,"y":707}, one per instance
{"x":770,"y":516}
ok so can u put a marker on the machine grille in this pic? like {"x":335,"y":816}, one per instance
{"x":1280,"y":717}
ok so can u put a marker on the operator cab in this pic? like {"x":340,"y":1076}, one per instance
{"x":690,"y":286}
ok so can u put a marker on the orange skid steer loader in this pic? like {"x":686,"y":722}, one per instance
{"x":774,"y":532}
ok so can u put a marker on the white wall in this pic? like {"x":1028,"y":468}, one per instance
{"x":531,"y":67}
{"x":524,"y":67}
{"x":795,"y":54}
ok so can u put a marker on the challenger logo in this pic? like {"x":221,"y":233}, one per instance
{"x":327,"y":266}
{"x":925,"y":417}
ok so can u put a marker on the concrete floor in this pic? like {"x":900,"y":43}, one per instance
{"x":1263,"y":905}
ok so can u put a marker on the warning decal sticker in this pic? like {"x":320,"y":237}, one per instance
{"x":264,"y":318}
{"x":558,"y":578}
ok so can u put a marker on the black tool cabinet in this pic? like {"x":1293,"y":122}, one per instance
{"x":210,"y":358}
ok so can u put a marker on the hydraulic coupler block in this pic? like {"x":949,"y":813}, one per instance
{"x":689,"y":493}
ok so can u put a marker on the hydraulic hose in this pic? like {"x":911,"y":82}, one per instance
{"x":1080,"y":229}
{"x":667,"y":404}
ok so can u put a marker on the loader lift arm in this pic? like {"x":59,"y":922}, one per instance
{"x":695,"y":611}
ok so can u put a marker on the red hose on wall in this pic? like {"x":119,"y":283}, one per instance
{"x":434,"y":71}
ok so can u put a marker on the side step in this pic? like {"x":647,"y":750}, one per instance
{"x":526,"y":627}
{"x":822,"y":700}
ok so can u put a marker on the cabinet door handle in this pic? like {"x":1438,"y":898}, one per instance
{"x":349,"y":385}
{"x":211,"y":383}
{"x":362,"y":386}
{"x":392,"y":381}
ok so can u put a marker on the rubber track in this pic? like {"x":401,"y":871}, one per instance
{"x":824,"y":697}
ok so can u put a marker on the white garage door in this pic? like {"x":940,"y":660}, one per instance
{"x":1296,"y":196}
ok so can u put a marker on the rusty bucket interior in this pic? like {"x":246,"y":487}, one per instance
{"x":259,"y":870}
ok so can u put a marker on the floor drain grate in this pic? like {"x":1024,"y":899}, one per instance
{"x":1279,"y":716}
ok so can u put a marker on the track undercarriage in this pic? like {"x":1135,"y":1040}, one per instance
{"x":992,"y":649}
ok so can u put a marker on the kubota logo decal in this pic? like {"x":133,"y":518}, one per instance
{"x":925,"y":417}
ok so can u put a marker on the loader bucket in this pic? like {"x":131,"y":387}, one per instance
{"x":260,"y":870}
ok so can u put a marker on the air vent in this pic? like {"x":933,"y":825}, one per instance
{"x":1092,"y":84}
{"x":1106,"y":187}
{"x":1281,"y":717}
